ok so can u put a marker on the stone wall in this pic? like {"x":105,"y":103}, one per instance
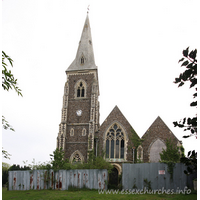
{"x":158,"y":130}
{"x":117,"y":117}
{"x":79,"y":141}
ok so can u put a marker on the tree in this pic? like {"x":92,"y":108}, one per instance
{"x":17,"y":167}
{"x":5,"y":154}
{"x":57,"y":159}
{"x":191,"y":162}
{"x":8,"y":82}
{"x":6,"y":124}
{"x":171,"y":153}
{"x":189,"y":61}
{"x":5,"y":167}
{"x":8,"y":79}
{"x":171,"y":156}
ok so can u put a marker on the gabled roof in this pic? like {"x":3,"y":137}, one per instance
{"x":85,"y":56}
{"x":115,"y":112}
{"x":159,"y":126}
{"x":116,"y":116}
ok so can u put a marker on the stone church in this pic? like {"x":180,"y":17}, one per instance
{"x":80,"y":131}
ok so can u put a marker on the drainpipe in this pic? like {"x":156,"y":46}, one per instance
{"x":96,"y":145}
{"x":133,"y":153}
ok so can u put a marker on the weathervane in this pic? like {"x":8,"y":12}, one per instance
{"x":88,"y":9}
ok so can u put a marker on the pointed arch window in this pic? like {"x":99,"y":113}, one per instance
{"x":156,"y":148}
{"x":80,"y":89}
{"x":84,"y":132}
{"x":76,"y":157}
{"x":62,"y":142}
{"x":71,"y":132}
{"x":115,"y":142}
{"x":140,"y":153}
{"x":82,"y":59}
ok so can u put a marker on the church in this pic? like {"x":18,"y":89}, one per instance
{"x":80,"y":131}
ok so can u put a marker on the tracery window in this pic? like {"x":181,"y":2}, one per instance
{"x":80,"y":89}
{"x":115,"y":142}
{"x":76,"y":158}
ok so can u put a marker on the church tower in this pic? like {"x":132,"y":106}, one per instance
{"x":80,"y":110}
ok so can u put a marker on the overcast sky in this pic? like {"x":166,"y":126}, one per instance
{"x":137,"y":45}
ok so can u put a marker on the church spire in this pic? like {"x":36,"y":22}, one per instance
{"x":85,"y":56}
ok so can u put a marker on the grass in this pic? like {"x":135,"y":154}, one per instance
{"x":87,"y":194}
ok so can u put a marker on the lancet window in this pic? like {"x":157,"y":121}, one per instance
{"x":82,"y":60}
{"x":115,"y":141}
{"x":84,"y":132}
{"x":71,"y":132}
{"x":62,"y":141}
{"x":140,"y":153}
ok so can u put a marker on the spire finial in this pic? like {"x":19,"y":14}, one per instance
{"x":88,"y":9}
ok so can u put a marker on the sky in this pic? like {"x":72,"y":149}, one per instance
{"x":137,"y":46}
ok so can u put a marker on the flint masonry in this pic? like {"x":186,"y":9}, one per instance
{"x":80,"y":131}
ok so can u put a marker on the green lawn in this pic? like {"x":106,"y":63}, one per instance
{"x":87,"y":194}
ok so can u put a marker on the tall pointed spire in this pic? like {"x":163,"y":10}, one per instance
{"x":85,"y":55}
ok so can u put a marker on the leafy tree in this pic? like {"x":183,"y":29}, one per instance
{"x":170,"y":156}
{"x":191,"y":162}
{"x":96,"y":162}
{"x":5,"y":154}
{"x":37,"y":166}
{"x":5,"y":167}
{"x":6,"y":124}
{"x":8,"y":79}
{"x":8,"y":82}
{"x":171,"y":153}
{"x":58,"y":160}
{"x":17,"y":167}
{"x":189,"y":61}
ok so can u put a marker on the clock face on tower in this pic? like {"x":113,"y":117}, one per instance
{"x":79,"y":112}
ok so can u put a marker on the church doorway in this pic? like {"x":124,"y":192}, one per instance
{"x":113,"y":179}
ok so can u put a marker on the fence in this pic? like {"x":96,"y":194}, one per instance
{"x":62,"y":179}
{"x":139,"y":176}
